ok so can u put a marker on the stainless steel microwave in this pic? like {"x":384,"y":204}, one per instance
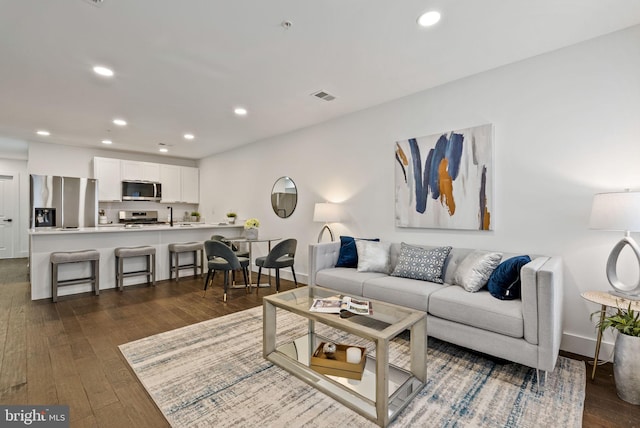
{"x":141,"y":191}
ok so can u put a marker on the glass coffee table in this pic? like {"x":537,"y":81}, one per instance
{"x":384,"y":389}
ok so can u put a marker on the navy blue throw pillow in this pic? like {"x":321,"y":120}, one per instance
{"x":504,"y":282}
{"x":348,"y":256}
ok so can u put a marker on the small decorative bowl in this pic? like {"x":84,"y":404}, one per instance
{"x":329,"y":350}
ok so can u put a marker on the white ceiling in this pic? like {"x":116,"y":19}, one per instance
{"x":182,"y":66}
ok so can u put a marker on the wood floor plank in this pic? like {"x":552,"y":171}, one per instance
{"x":41,"y":385}
{"x":139,"y":408}
{"x":96,"y":385}
{"x":71,"y":392}
{"x":113,"y":415}
{"x":13,"y":369}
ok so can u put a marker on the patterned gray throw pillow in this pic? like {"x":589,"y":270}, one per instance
{"x":419,"y":263}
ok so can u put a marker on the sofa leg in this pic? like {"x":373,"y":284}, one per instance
{"x":541,"y":381}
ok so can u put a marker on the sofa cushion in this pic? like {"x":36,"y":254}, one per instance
{"x":419,"y":263}
{"x":479,"y":310}
{"x":411,"y":293}
{"x":348,"y":256}
{"x":476,"y":268}
{"x":345,"y":280}
{"x":504,"y":282}
{"x":373,"y":256}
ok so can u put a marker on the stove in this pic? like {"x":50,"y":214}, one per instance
{"x":138,"y":217}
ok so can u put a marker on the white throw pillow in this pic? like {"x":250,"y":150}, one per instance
{"x":475,"y":269}
{"x":373,"y":256}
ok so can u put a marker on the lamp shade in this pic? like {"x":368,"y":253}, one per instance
{"x":325,"y":212}
{"x":616,"y":211}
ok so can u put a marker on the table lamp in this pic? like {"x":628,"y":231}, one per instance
{"x":326,"y":212}
{"x":618,"y":211}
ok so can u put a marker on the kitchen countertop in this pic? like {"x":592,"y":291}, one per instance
{"x":110,"y":228}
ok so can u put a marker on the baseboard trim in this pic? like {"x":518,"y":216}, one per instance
{"x":586,"y":346}
{"x":284,"y":274}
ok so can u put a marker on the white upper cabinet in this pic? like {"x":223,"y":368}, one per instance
{"x":171,"y":179}
{"x":146,"y":171}
{"x":190,"y":185}
{"x":179,"y":183}
{"x":107,"y":171}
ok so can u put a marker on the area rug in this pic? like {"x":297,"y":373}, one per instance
{"x":212,"y":374}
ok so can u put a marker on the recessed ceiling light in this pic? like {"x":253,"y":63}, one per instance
{"x":120,"y":122}
{"x":163,"y":149}
{"x":43,"y":133}
{"x":240,"y":111}
{"x":103,"y":71}
{"x":189,"y":136}
{"x":107,"y":142}
{"x":429,"y":18}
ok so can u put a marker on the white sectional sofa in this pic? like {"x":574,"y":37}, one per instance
{"x":526,"y":330}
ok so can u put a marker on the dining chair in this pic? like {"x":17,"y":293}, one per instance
{"x":234,"y":247}
{"x":281,"y":256}
{"x":236,"y":250}
{"x":221,"y":257}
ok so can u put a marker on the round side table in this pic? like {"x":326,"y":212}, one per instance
{"x":605,"y":300}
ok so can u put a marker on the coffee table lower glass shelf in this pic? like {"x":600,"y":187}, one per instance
{"x":384,"y":389}
{"x":357,"y":394}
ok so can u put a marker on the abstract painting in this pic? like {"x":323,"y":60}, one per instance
{"x":445,"y":180}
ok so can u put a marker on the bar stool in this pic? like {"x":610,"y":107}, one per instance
{"x":174,"y":258}
{"x":60,"y":257}
{"x":127,"y":252}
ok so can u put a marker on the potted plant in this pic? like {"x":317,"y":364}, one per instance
{"x":195,"y":216}
{"x":626,"y":364}
{"x":251,"y":228}
{"x":231,"y":217}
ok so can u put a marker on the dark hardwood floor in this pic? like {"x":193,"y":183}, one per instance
{"x":67,"y":352}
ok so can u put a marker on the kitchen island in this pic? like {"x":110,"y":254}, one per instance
{"x":44,"y":241}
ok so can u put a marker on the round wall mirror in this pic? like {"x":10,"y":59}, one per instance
{"x":284,"y":197}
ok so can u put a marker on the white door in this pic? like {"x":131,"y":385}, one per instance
{"x":8,"y":207}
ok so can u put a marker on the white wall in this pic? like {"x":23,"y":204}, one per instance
{"x":566,"y":126}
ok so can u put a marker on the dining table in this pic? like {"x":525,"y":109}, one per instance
{"x":250,"y":242}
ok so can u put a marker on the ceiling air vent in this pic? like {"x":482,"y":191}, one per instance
{"x":324,"y":96}
{"x":94,"y":2}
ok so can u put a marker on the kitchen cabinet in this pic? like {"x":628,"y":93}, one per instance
{"x":134,"y":170}
{"x":171,"y":179}
{"x":190,"y":185}
{"x":179,"y":183}
{"x":107,"y":171}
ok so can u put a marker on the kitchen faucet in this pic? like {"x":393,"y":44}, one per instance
{"x":170,"y":216}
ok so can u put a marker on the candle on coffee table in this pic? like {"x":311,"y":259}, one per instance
{"x":354,"y":355}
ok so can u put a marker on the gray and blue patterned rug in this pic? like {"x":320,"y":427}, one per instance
{"x":212,"y":374}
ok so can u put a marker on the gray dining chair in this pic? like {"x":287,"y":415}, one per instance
{"x":221,"y":257}
{"x":236,"y":250}
{"x":281,"y":256}
{"x":234,"y":247}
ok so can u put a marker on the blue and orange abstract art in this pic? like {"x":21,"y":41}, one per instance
{"x":445,"y":180}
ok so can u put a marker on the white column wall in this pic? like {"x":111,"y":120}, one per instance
{"x":566,"y":126}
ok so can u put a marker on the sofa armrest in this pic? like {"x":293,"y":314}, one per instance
{"x":322,"y":256}
{"x":550,"y":295}
{"x":542,"y":307}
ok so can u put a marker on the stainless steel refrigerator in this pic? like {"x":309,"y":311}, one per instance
{"x":63,"y":202}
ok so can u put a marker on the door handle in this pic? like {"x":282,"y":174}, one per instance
{"x":8,"y":220}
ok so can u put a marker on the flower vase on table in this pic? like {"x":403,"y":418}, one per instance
{"x":251,"y":233}
{"x":251,"y":228}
